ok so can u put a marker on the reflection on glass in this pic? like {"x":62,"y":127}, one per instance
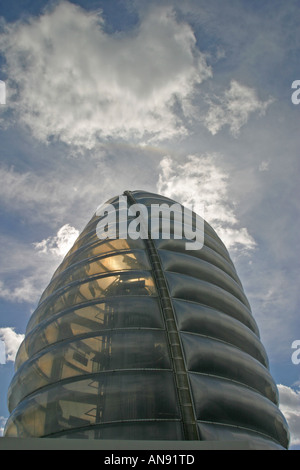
{"x":112,"y":350}
{"x":144,"y":312}
{"x":111,"y":263}
{"x":143,"y":430}
{"x":134,"y":283}
{"x":102,"y":359}
{"x":97,"y":248}
{"x":106,"y":397}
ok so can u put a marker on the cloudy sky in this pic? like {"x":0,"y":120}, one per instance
{"x":189,"y":99}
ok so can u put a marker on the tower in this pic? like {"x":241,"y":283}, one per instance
{"x":140,"y":338}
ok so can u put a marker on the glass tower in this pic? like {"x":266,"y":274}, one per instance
{"x":140,"y":338}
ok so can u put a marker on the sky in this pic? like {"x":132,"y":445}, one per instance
{"x":194,"y":100}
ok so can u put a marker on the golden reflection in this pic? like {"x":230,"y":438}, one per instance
{"x":109,"y":351}
{"x":106,"y":286}
{"x":109,"y":314}
{"x":111,"y":263}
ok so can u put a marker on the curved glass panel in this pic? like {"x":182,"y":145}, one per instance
{"x":145,"y":431}
{"x":209,"y":242}
{"x":133,"y":283}
{"x":98,"y":248}
{"x":143,"y":312}
{"x":184,"y":264}
{"x":151,"y":198}
{"x":256,"y":441}
{"x":104,"y":397}
{"x":224,"y":402}
{"x":112,"y":350}
{"x":206,"y":254}
{"x":196,"y":318}
{"x":209,"y":356}
{"x":187,"y":288}
{"x":120,"y":213}
{"x":111,"y":263}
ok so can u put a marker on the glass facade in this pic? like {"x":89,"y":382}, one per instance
{"x":144,"y":339}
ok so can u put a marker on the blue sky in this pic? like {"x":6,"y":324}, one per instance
{"x":190,"y":99}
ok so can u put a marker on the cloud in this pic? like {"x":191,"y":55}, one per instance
{"x":290,"y":406}
{"x":52,"y":197}
{"x":264,"y":165}
{"x":200,"y":183}
{"x":37,"y":265}
{"x":59,"y":244}
{"x":12,"y":342}
{"x":2,"y":424}
{"x":22,"y":272}
{"x":30,"y":191}
{"x":271,"y":291}
{"x":69,"y":80}
{"x":234,"y":108}
{"x":26,"y":291}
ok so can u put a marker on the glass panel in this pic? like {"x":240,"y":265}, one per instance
{"x":142,"y":196}
{"x":225,"y":402}
{"x":21,"y":355}
{"x":208,"y":242}
{"x":148,"y":431}
{"x":106,"y":397}
{"x":113,"y":201}
{"x":206,"y":254}
{"x":110,"y":233}
{"x":200,"y":269}
{"x":210,"y":356}
{"x":86,"y":238}
{"x":195,"y":318}
{"x":195,"y":290}
{"x":163,"y":228}
{"x":144,"y":312}
{"x":133,"y":283}
{"x":256,"y":441}
{"x":113,"y":262}
{"x":112,"y":350}
{"x":98,"y":248}
{"x":151,"y":198}
{"x":121,"y":214}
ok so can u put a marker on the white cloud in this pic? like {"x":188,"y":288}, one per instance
{"x":2,"y":424}
{"x":26,"y":291}
{"x":60,"y":243}
{"x":233,"y":108}
{"x":53,"y":196}
{"x":22,"y":274}
{"x":70,"y":80}
{"x":290,"y":406}
{"x":264,"y":165}
{"x":26,"y":269}
{"x":29,"y":191}
{"x":199,"y":182}
{"x":35,"y":272}
{"x":12,"y":342}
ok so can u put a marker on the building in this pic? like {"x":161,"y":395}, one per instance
{"x":140,"y":338}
